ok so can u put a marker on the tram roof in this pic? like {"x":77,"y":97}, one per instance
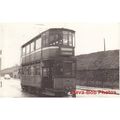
{"x":36,"y":37}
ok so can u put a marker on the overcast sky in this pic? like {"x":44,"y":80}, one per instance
{"x":89,"y":38}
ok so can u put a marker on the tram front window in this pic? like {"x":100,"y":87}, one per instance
{"x":59,"y":69}
{"x":68,"y":38}
{"x":66,"y":69}
{"x":65,"y":38}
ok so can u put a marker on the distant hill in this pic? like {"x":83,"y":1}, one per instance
{"x":98,"y":60}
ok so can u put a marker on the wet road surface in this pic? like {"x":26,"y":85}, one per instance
{"x":11,"y":88}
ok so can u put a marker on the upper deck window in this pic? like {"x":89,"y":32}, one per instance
{"x":32,"y":47}
{"x":61,"y":37}
{"x":23,"y":51}
{"x":45,"y":42}
{"x":55,"y":37}
{"x":28,"y":49}
{"x":65,"y":38}
{"x":38,"y":43}
{"x":68,"y":38}
{"x":71,"y":39}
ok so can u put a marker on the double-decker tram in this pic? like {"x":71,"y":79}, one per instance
{"x":48,"y":65}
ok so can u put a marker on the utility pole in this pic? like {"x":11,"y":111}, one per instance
{"x":104,"y":45}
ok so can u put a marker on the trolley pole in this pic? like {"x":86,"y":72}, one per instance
{"x":104,"y":45}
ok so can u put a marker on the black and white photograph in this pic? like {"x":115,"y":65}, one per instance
{"x":59,"y":60}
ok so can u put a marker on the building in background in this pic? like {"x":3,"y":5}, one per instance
{"x":100,"y":69}
{"x":12,"y":71}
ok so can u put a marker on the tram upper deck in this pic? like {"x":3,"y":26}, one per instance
{"x":53,"y":43}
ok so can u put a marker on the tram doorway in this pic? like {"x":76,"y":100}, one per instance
{"x":47,"y":81}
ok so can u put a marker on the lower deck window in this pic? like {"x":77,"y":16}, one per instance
{"x":59,"y":69}
{"x":45,"y":72}
{"x":66,"y":69}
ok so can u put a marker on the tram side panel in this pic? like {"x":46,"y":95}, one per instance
{"x":32,"y":80}
{"x":31,"y":71}
{"x":49,"y":53}
{"x":65,"y":83}
{"x":38,"y":56}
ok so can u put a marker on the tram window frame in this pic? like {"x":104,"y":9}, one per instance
{"x":23,"y":51}
{"x":32,"y":70}
{"x":38,"y":43}
{"x":51,"y":38}
{"x":29,"y":70}
{"x":67,"y":35}
{"x":22,"y":71}
{"x":65,"y":67}
{"x":45,"y":72}
{"x":32,"y":47}
{"x":55,"y":37}
{"x":70,"y":39}
{"x":25,"y":71}
{"x":66,"y":38}
{"x":61,"y":42}
{"x":45,"y":39}
{"x":73,"y":69}
{"x":59,"y":71}
{"x":73,"y":34}
{"x":28,"y":49}
{"x":37,"y":69}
